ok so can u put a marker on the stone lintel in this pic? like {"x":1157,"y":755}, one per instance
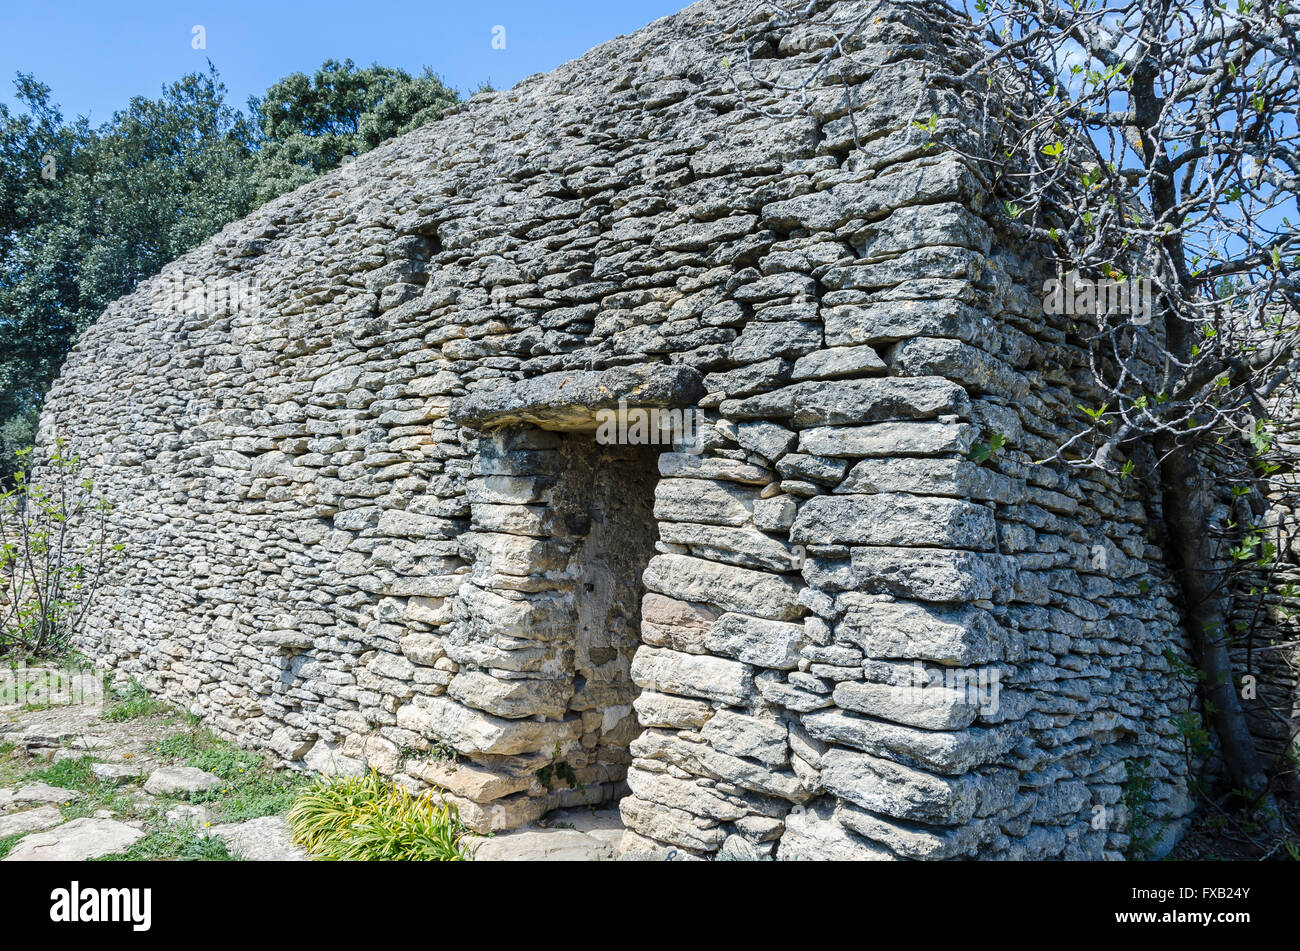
{"x":569,"y":401}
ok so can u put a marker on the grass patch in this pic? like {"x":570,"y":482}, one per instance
{"x":368,"y":818}
{"x":135,"y":702}
{"x":8,"y":842}
{"x":74,"y":774}
{"x":270,"y":797}
{"x":250,"y":789}
{"x":91,"y":794}
{"x":12,"y":769}
{"x":180,"y":843}
{"x":105,"y":796}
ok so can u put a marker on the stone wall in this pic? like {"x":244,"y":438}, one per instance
{"x":1266,"y":626}
{"x":369,"y":522}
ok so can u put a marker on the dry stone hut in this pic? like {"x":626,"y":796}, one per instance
{"x":353,"y":446}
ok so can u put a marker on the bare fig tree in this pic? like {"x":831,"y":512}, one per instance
{"x":54,"y":549}
{"x":1149,"y":147}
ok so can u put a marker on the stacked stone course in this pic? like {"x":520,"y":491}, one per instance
{"x":368,"y":522}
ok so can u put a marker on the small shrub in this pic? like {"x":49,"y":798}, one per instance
{"x":368,"y":818}
{"x":204,"y":751}
{"x":54,"y":548}
{"x":179,"y":746}
{"x":254,"y":803}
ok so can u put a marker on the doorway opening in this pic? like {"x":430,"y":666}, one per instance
{"x":548,"y":621}
{"x":604,"y":497}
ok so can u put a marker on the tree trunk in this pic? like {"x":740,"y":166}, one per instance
{"x":1206,"y":612}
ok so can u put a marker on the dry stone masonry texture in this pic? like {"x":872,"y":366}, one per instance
{"x":369,"y":523}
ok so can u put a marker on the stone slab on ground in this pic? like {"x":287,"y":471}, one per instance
{"x":180,"y":780}
{"x":116,"y":773}
{"x":75,"y":841}
{"x":53,"y":727}
{"x":604,"y":824}
{"x":261,"y":840}
{"x":75,"y":730}
{"x":537,"y":845}
{"x":30,"y":820}
{"x":35,"y":794}
{"x":188,"y":815}
{"x":576,"y":836}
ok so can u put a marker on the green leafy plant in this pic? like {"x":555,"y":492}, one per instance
{"x":368,"y":818}
{"x":54,"y":549}
{"x":560,"y":770}
{"x":439,"y":753}
{"x":928,"y":129}
{"x":557,"y":769}
{"x":983,"y":451}
{"x":1138,"y":801}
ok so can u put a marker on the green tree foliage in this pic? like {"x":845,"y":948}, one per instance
{"x":86,"y":213}
{"x":34,"y":321}
{"x":89,"y":213}
{"x":309,"y":124}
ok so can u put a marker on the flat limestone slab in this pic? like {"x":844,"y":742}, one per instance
{"x":571,"y":835}
{"x":182,"y":780}
{"x":570,"y":400}
{"x":75,"y":841}
{"x":116,"y":773}
{"x":545,"y":845}
{"x":35,"y":794}
{"x":262,"y":840}
{"x":30,"y":820}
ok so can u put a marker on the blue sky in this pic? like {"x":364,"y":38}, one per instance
{"x":97,"y":54}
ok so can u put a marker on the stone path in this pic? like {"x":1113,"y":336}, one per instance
{"x":126,"y":759}
{"x":261,"y":840}
{"x":127,"y":764}
{"x":29,"y":820}
{"x":76,"y":841}
{"x":580,"y":835}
